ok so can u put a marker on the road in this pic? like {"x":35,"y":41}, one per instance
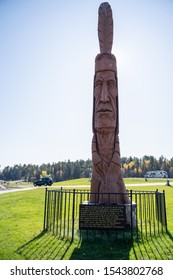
{"x":5,"y":190}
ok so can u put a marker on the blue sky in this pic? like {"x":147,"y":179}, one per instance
{"x":47,"y":54}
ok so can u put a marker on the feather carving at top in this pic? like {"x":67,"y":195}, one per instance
{"x":105,"y":28}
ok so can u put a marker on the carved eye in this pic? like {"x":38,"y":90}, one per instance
{"x":111,"y":83}
{"x":98,"y":83}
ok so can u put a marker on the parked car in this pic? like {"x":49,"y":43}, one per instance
{"x":43,"y":182}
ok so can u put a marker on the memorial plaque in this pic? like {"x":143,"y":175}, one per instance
{"x":102,"y":217}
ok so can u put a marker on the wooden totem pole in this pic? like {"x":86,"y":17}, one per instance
{"x":106,"y":179}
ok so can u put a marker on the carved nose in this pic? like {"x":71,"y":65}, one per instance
{"x":104,"y":94}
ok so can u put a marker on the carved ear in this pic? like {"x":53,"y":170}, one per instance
{"x":105,"y":28}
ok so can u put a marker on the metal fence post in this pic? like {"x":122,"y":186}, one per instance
{"x":45,"y":210}
{"x":73,"y":213}
{"x":164,"y":203}
{"x":131,"y":214}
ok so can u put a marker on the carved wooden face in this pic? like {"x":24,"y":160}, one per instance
{"x":105,"y":93}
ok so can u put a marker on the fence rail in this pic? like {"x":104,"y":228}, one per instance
{"x":61,"y":213}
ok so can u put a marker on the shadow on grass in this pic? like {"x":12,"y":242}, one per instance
{"x":45,"y":246}
{"x":102,"y":250}
{"x":158,"y":247}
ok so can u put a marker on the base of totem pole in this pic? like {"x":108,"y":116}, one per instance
{"x":112,"y":216}
{"x":131,"y":214}
{"x":65,"y":212}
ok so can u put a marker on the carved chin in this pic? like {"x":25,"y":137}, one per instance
{"x":105,"y":120}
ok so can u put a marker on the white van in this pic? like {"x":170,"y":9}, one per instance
{"x":156,"y":174}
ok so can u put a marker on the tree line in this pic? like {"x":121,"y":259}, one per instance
{"x":66,"y":170}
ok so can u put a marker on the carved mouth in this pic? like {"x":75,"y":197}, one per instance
{"x":104,"y":111}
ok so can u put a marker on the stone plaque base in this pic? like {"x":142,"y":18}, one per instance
{"x":106,"y":216}
{"x":131,"y":214}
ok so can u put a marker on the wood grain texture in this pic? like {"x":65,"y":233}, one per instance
{"x":105,"y":28}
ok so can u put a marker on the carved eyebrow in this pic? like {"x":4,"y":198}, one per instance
{"x":98,"y":81}
{"x":111,"y":81}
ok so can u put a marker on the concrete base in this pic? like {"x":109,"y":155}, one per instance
{"x":128,"y":214}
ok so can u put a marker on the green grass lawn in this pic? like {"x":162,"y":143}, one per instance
{"x":75,"y":182}
{"x":21,"y":235}
{"x":86,"y":181}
